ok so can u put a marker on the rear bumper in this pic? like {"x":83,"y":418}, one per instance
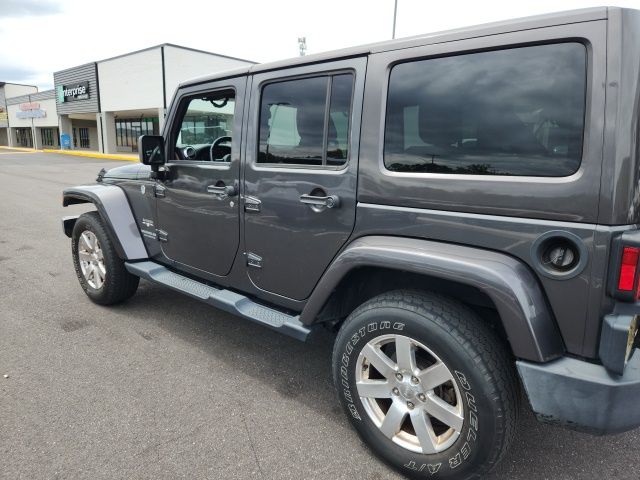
{"x":583,"y":396}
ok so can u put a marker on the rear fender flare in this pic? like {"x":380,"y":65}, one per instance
{"x":114,"y":209}
{"x":530,"y":326}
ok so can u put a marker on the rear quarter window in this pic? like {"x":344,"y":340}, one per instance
{"x":518,"y":111}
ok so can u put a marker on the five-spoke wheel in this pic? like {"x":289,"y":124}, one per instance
{"x":409,"y":393}
{"x":91,"y":259}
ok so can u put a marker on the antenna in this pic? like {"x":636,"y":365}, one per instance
{"x":302,"y":45}
{"x":395,"y":15}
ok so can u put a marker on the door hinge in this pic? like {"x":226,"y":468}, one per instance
{"x":254,"y":260}
{"x":158,"y":190}
{"x":252,"y":204}
{"x":162,"y":235}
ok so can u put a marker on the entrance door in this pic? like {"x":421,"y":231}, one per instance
{"x":197,"y":204}
{"x":300,"y":178}
{"x":136,"y":131}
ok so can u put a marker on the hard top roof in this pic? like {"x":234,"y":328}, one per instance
{"x":505,"y":26}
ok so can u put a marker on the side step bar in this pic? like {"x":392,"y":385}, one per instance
{"x":226,"y":300}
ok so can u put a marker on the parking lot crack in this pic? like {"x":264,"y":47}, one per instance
{"x":253,"y":448}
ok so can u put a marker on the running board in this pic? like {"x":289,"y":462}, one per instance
{"x":226,"y":300}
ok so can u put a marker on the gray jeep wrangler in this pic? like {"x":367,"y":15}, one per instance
{"x":461,"y":208}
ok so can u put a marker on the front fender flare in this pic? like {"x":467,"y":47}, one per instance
{"x":114,"y":209}
{"x":513,"y":288}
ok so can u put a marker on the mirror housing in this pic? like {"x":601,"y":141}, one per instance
{"x":151,"y":150}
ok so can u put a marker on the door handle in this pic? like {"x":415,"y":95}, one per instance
{"x":223,"y":191}
{"x":329,"y":201}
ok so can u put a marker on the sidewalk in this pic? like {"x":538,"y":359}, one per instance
{"x":78,"y":153}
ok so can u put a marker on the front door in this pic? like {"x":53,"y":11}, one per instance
{"x":300,"y":177}
{"x":197,"y":196}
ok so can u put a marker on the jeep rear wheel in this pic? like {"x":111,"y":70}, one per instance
{"x":99,"y":269}
{"x":427,"y":385}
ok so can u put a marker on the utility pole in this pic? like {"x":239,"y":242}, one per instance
{"x":302,"y":45}
{"x":395,"y":14}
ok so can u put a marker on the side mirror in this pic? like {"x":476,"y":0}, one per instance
{"x":151,"y":150}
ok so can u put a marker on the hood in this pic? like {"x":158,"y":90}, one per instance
{"x":134,"y":171}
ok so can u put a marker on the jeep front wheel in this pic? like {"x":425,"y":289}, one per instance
{"x":427,"y":385}
{"x":99,"y":269}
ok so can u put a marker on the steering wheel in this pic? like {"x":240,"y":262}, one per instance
{"x":216,"y":143}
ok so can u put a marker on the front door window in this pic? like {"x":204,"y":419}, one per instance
{"x":206,"y":130}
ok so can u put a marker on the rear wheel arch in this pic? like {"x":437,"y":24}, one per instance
{"x":500,"y":288}
{"x":362,"y":284}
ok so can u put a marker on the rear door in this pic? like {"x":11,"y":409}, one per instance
{"x":300,"y":176}
{"x":197,"y":205}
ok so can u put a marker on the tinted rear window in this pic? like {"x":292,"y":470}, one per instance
{"x":306,"y":121}
{"x":507,"y":112}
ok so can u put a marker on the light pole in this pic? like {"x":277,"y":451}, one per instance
{"x":395,"y":14}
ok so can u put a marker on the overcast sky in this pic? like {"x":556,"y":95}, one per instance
{"x":39,"y":37}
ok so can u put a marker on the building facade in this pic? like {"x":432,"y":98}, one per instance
{"x":105,"y":105}
{"x":78,"y":103}
{"x":110,"y":103}
{"x":9,"y":91}
{"x":33,"y":121}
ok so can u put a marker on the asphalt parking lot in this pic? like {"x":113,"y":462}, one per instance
{"x":165,"y":387}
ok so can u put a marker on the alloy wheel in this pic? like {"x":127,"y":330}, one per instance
{"x":409,"y":394}
{"x":91,"y":259}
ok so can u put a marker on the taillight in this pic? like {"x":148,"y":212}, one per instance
{"x":628,"y":269}
{"x":623,"y":281}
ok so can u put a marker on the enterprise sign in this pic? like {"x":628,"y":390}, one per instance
{"x":71,"y":93}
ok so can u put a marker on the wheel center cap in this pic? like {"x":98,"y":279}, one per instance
{"x":407,"y":391}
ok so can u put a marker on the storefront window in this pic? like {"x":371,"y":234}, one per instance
{"x":49,"y":137}
{"x":24,"y":138}
{"x":84,"y":137}
{"x":129,"y":129}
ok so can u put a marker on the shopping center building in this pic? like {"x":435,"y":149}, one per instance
{"x":9,"y":92}
{"x":32,"y":120}
{"x":105,"y":105}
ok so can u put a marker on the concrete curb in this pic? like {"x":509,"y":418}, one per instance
{"x":21,"y":149}
{"x":77,"y":153}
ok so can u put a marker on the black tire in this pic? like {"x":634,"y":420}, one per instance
{"x":476,"y":358}
{"x":119,"y":284}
